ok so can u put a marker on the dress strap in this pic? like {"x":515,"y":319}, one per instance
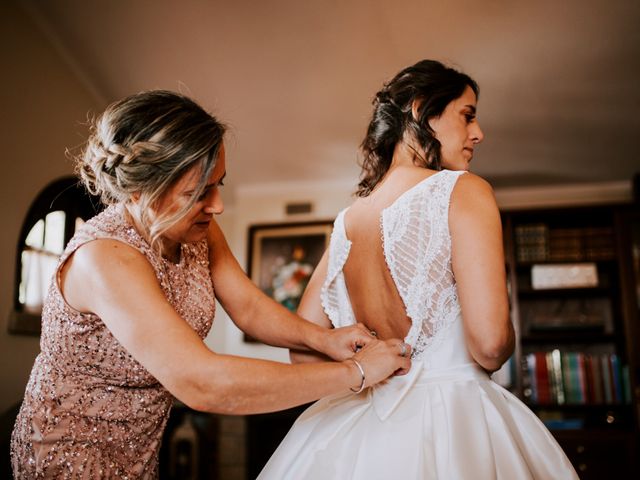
{"x":334,"y":296}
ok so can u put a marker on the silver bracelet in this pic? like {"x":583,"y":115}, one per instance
{"x":358,"y":390}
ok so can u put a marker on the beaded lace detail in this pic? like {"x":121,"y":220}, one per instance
{"x":90,"y":410}
{"x":334,"y":295}
{"x":417,"y":250}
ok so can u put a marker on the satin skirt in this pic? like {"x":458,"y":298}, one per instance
{"x":449,"y":424}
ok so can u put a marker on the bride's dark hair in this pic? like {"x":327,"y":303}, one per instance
{"x":432,"y":86}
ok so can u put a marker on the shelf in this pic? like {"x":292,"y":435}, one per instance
{"x":603,"y":417}
{"x":568,"y":336}
{"x":572,"y":292}
{"x":594,"y":328}
{"x":580,"y":407}
{"x":521,"y":264}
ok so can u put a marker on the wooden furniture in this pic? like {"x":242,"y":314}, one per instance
{"x":574,"y":283}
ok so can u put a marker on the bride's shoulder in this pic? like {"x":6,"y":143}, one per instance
{"x":473,"y":195}
{"x":471,"y":184}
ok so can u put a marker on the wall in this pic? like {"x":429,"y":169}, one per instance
{"x":43,"y":102}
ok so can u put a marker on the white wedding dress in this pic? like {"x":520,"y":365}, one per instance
{"x":446,"y":419}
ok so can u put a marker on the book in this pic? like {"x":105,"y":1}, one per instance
{"x":542,"y":379}
{"x":626,"y":384}
{"x":598,"y":381}
{"x":556,"y":372}
{"x":614,"y":363}
{"x":590,"y":396}
{"x":607,"y":381}
{"x":532,"y":242}
{"x":566,"y":377}
{"x":581,"y":380}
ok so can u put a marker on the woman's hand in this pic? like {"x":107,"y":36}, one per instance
{"x":341,"y":343}
{"x":381,"y":359}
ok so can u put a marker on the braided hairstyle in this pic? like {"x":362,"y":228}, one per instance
{"x":432,"y":86}
{"x":141,"y":145}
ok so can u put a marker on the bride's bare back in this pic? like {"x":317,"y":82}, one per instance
{"x":374,"y":295}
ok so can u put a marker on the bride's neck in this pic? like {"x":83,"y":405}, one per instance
{"x":406,"y":154}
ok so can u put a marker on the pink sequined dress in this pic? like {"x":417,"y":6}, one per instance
{"x":90,"y":410}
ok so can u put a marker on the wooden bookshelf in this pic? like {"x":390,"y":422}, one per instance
{"x":576,"y":359}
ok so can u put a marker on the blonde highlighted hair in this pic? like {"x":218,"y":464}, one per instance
{"x":141,"y":145}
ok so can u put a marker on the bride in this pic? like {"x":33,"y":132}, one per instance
{"x":419,"y":256}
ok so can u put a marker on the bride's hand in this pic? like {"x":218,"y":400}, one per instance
{"x":341,"y":343}
{"x":382,"y":359}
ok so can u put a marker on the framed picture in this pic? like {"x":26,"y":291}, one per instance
{"x":282,"y":258}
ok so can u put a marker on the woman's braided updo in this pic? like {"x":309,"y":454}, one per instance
{"x":141,"y":145}
{"x":432,"y":86}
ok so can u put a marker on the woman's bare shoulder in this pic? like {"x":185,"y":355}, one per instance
{"x":472,"y":183}
{"x":99,"y":269}
{"x":472,"y":201}
{"x":472,"y":190}
{"x":106,"y":258}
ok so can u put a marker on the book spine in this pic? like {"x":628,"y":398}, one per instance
{"x":598,"y":381}
{"x":542,"y":379}
{"x":626,"y":384}
{"x":589,"y":380}
{"x":607,"y":381}
{"x":614,"y":362}
{"x":566,"y":376}
{"x":556,"y":362}
{"x":580,"y":373}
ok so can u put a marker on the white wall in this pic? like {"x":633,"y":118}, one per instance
{"x":42,"y":104}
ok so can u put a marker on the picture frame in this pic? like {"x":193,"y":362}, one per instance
{"x":282,"y":257}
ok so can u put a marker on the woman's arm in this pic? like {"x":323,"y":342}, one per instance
{"x":479,"y":270}
{"x":116,"y":282}
{"x":263,"y":318}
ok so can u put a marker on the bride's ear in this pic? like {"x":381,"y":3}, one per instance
{"x":415,"y":106}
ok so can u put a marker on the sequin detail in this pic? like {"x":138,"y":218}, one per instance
{"x":90,"y":410}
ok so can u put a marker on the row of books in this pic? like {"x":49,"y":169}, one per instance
{"x":575,"y":378}
{"x":537,"y":242}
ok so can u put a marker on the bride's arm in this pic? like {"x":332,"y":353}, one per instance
{"x":310,"y":308}
{"x":478,"y":266}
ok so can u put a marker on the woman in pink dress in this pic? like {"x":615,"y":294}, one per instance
{"x":133,"y":297}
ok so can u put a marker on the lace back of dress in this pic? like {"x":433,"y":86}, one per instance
{"x":417,"y":248}
{"x":334,"y":295}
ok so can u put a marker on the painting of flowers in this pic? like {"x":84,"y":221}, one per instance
{"x":282,"y":258}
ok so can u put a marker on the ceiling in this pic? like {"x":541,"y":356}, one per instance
{"x":294,"y":79}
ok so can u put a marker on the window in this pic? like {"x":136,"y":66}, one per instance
{"x":50,"y":223}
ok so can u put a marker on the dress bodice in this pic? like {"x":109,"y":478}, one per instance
{"x":417,"y":250}
{"x":90,"y":408}
{"x":186,"y":285}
